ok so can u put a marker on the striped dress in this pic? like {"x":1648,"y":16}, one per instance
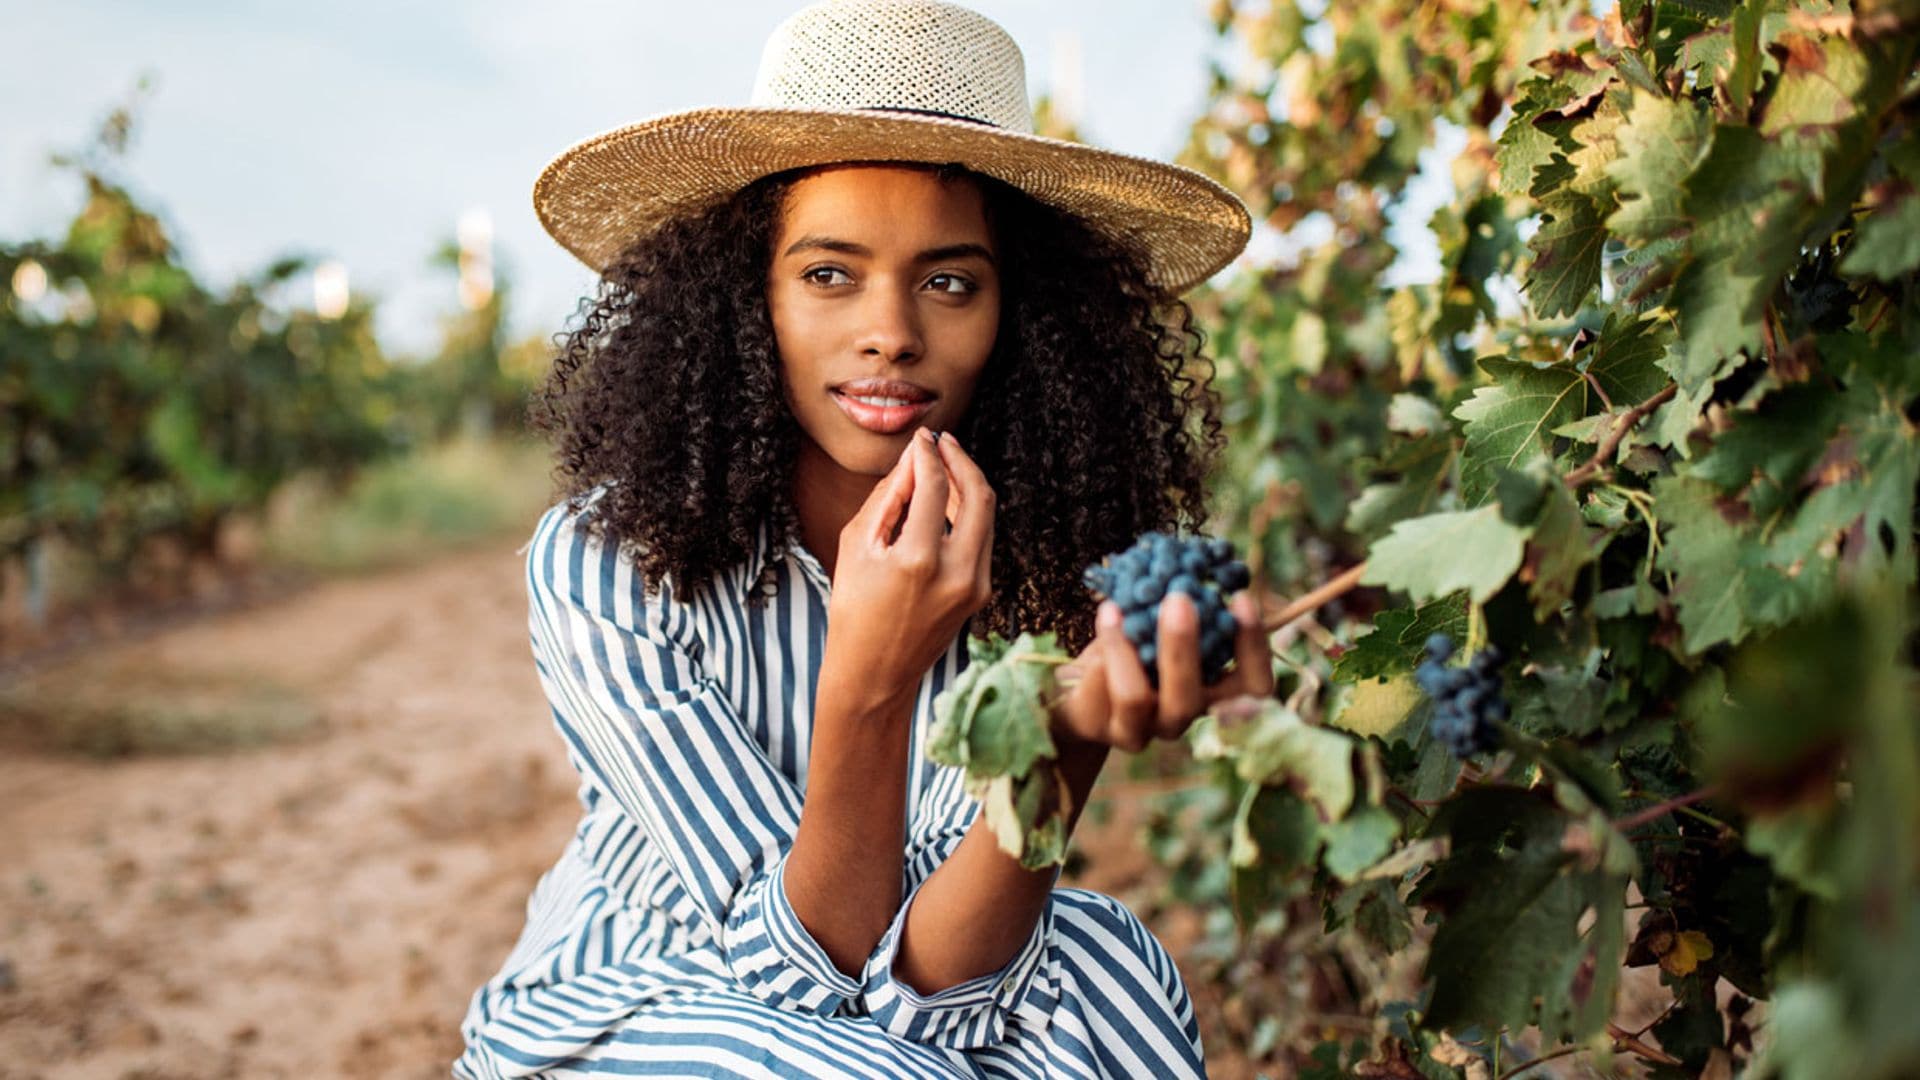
{"x":661,"y":942}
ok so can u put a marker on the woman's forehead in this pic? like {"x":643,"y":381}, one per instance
{"x":902,"y":202}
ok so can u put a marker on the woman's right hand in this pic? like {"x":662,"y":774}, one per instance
{"x":903,"y":584}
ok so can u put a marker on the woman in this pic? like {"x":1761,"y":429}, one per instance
{"x":870,"y":370}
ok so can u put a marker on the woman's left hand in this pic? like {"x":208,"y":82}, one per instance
{"x":1109,"y":701}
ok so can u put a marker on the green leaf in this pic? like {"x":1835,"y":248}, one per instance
{"x":1424,"y":465}
{"x":1399,"y":635}
{"x":1411,"y":414}
{"x":1374,"y":910}
{"x":1661,"y":144}
{"x":1509,"y":422}
{"x":1429,"y":557}
{"x":1772,"y":447}
{"x":1822,"y":81}
{"x":1566,"y":262}
{"x":1560,"y":548}
{"x":1270,"y":745}
{"x":1358,"y":842}
{"x":1750,"y":200}
{"x":1886,"y":244}
{"x":1713,"y":587}
{"x":1532,"y":136}
{"x":992,"y":720}
{"x":1513,"y":887}
{"x":1275,"y":843}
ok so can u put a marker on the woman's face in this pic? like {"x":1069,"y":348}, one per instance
{"x":884,"y":286}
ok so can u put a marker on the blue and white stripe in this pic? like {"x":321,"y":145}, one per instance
{"x":662,"y":942}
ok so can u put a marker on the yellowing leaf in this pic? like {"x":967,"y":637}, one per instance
{"x":1684,"y":951}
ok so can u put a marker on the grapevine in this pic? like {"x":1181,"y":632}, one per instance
{"x":1652,"y":425}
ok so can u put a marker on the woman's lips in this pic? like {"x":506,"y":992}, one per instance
{"x":882,"y":419}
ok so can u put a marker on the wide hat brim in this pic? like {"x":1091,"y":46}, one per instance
{"x":603,"y":193}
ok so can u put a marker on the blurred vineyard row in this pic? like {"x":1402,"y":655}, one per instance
{"x":143,"y":411}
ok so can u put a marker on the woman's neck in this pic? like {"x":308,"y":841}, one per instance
{"x":825,"y":497}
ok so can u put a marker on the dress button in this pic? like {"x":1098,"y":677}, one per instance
{"x":1006,"y":985}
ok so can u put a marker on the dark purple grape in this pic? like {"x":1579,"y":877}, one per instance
{"x":1468,"y":706}
{"x":1159,"y":564}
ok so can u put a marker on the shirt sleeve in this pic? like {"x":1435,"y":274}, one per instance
{"x":974,"y":1013}
{"x":658,"y":735}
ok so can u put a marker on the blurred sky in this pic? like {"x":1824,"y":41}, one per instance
{"x":362,"y":130}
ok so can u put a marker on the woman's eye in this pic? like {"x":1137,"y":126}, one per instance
{"x":954,"y":283}
{"x":815,"y":275}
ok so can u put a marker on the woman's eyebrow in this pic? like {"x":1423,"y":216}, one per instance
{"x":847,"y":247}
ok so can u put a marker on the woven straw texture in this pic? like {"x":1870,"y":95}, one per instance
{"x":952,"y":87}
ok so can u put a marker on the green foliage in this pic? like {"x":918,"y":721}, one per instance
{"x":137,"y":403}
{"x":1651,"y":428}
{"x":992,"y":722}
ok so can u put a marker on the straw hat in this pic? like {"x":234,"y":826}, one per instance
{"x":883,"y":80}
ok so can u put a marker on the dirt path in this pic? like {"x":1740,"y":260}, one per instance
{"x":315,"y":907}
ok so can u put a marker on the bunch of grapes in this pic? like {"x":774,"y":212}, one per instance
{"x":1468,"y":706}
{"x":1159,"y":564}
{"x":1820,"y":297}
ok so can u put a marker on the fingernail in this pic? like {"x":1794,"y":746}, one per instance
{"x":1108,"y":615}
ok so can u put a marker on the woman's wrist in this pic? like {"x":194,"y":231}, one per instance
{"x":861,"y":699}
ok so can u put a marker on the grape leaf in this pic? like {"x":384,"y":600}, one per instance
{"x":1560,"y":548}
{"x":1596,"y":146}
{"x":1015,"y":811}
{"x":1750,"y":200}
{"x":1513,"y":886}
{"x":1509,"y":422}
{"x":1566,"y":260}
{"x":1424,"y":465}
{"x":992,"y":720}
{"x":1821,"y":84}
{"x":1377,"y":706}
{"x":1714,"y":587}
{"x":1399,"y":634}
{"x":1431,"y":556}
{"x":1532,"y":135}
{"x":1269,"y":744}
{"x":1661,"y":144}
{"x":1276,"y":842}
{"x":1411,"y":414}
{"x":1359,"y":841}
{"x":1886,"y":243}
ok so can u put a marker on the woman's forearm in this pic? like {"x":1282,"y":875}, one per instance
{"x":843,"y":873}
{"x":979,"y":906}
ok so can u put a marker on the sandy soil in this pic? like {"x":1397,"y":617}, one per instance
{"x":319,"y":906}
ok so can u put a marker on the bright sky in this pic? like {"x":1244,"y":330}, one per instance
{"x":362,"y":130}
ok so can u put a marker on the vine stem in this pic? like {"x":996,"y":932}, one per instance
{"x":1628,"y":1041}
{"x":1338,"y":586}
{"x":1543,"y":1058}
{"x":1660,"y":810}
{"x":1619,"y":431}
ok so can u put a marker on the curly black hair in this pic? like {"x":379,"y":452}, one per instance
{"x":1094,"y":418}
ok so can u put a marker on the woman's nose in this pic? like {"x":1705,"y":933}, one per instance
{"x":890,"y":326}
